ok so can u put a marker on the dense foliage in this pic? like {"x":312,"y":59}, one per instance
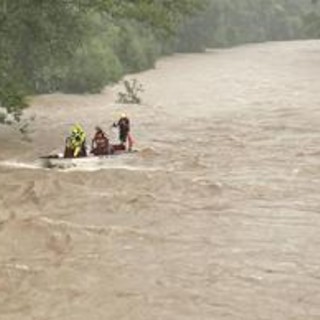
{"x":228,"y":23}
{"x":78,"y":45}
{"x":82,"y":45}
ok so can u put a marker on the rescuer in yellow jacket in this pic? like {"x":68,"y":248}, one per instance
{"x":76,"y":143}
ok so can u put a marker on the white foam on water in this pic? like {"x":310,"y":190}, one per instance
{"x":80,"y":167}
{"x":20,"y":165}
{"x":111,"y":167}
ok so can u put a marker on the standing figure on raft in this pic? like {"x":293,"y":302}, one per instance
{"x":124,"y":133}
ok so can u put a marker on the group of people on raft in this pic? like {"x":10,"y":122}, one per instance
{"x":76,"y":142}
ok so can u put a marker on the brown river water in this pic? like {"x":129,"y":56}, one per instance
{"x":216,"y":218}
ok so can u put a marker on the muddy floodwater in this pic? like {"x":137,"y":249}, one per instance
{"x":217,"y":217}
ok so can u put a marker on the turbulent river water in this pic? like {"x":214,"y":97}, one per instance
{"x":216,"y":218}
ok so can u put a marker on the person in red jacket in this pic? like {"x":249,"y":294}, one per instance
{"x":100,"y":143}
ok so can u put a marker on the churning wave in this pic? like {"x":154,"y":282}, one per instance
{"x":15,"y":164}
{"x":85,"y":166}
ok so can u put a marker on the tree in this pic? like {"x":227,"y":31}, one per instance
{"x":42,"y":40}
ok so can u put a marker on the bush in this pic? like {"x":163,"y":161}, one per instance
{"x":132,"y":90}
{"x":137,"y":49}
{"x":12,"y":103}
{"x":93,"y":67}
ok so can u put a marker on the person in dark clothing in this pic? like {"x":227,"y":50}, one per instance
{"x":124,"y":130}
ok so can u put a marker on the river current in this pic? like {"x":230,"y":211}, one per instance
{"x":217,"y":217}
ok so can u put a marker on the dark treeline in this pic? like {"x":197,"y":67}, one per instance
{"x":82,"y":45}
{"x":228,"y":23}
{"x":78,"y":45}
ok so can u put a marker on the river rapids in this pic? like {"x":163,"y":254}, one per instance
{"x":217,"y":217}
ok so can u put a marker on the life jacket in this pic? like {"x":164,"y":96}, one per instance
{"x":76,"y":141}
{"x":100,"y":144}
{"x":100,"y":139}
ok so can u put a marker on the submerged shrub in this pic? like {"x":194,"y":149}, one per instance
{"x":132,"y":90}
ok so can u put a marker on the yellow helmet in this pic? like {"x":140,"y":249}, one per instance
{"x":77,"y":129}
{"x":123,"y":115}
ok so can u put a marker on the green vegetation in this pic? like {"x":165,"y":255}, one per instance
{"x":78,"y":45}
{"x":227,"y":23}
{"x":311,"y":20}
{"x":82,"y":45}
